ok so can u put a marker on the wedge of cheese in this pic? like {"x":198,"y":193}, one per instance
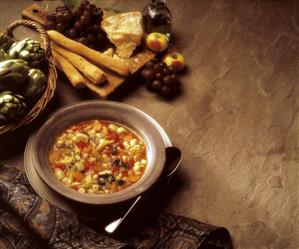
{"x":124,"y":31}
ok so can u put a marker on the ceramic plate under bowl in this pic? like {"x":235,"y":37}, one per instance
{"x":103,"y":110}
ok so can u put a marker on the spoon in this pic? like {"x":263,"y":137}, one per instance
{"x":173,"y":160}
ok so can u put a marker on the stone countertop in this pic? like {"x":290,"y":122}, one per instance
{"x":237,"y":120}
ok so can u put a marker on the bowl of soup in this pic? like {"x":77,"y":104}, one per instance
{"x":99,"y":152}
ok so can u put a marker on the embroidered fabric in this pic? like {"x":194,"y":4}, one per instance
{"x":27,"y":221}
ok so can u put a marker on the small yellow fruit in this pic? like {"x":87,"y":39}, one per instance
{"x":175,"y":60}
{"x":157,"y":42}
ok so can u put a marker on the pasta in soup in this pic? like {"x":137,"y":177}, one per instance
{"x":98,"y":157}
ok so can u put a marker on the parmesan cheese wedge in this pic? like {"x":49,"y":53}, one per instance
{"x":124,"y":31}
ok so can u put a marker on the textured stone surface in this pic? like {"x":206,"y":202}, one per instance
{"x":237,"y":121}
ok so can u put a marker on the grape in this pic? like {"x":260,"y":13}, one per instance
{"x":51,"y":16}
{"x":85,"y":20}
{"x":78,"y":12}
{"x":82,"y":34}
{"x":78,"y":26}
{"x":83,"y":40}
{"x":157,"y":85}
{"x":157,"y":68}
{"x":91,"y":29}
{"x":67,"y":16}
{"x":59,"y":17}
{"x":148,"y":74}
{"x":159,"y":76}
{"x":167,"y":80}
{"x":91,"y":38}
{"x":97,"y":28}
{"x":90,"y":7}
{"x":101,"y":38}
{"x":61,"y":27}
{"x":165,"y":71}
{"x":150,"y":65}
{"x":165,"y":91}
{"x":98,"y":16}
{"x":72,"y":33}
{"x":87,"y":13}
{"x":84,"y":3}
{"x":171,"y":80}
{"x":82,"y":24}
{"x":172,"y":69}
{"x":174,"y":78}
{"x":50,"y":25}
{"x":61,"y":8}
{"x":66,"y":33}
{"x":164,"y":65}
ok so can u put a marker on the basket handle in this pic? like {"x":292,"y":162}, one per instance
{"x":45,"y":40}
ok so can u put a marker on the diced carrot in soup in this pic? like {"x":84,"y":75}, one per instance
{"x":55,"y":156}
{"x":133,"y":178}
{"x":128,"y":138}
{"x":88,"y":148}
{"x":78,"y":176}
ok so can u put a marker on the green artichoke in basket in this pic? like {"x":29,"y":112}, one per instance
{"x":3,"y":56}
{"x":5,"y":41}
{"x":28,"y":50}
{"x":12,"y":107}
{"x":13,"y":74}
{"x":36,"y":84}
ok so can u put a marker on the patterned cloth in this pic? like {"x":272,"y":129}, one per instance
{"x":27,"y":221}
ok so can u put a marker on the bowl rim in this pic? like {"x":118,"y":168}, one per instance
{"x":126,"y":194}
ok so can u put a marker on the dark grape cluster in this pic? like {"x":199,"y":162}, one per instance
{"x":82,"y":24}
{"x":160,"y":78}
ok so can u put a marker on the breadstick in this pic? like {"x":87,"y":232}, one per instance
{"x":97,"y":89}
{"x":74,"y":76}
{"x":96,"y":57}
{"x":93,"y":73}
{"x":76,"y":79}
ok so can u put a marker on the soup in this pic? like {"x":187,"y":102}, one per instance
{"x":98,"y":157}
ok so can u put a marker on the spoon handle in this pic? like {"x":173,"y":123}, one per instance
{"x":111,"y":227}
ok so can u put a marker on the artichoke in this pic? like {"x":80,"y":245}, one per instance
{"x":13,"y":73}
{"x":3,"y":56}
{"x":36,"y":83}
{"x":28,"y":50}
{"x":5,"y":41}
{"x":12,"y":107}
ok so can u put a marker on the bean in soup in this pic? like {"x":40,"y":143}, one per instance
{"x":98,"y":157}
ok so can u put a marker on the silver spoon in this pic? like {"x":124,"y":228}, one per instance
{"x":173,"y":160}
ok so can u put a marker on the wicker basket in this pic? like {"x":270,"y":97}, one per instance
{"x":52,"y":75}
